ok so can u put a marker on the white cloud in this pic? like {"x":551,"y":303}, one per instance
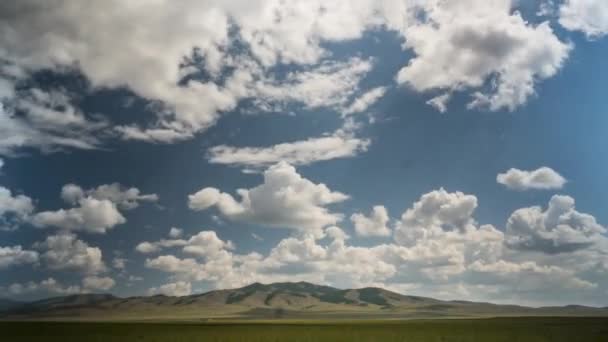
{"x":119,"y":263}
{"x":180,"y":288}
{"x":285,"y":199}
{"x":15,"y":256}
{"x":466,"y":44}
{"x":207,"y":244}
{"x":175,"y":232}
{"x":543,"y":178}
{"x":340,"y":144}
{"x":440,"y":102}
{"x":94,"y":283}
{"x":124,"y":198}
{"x":559,"y":229}
{"x":363,"y":102}
{"x":329,"y":85}
{"x":587,"y":16}
{"x":146,"y":247}
{"x":374,"y":225}
{"x":439,"y":250}
{"x":96,"y":209}
{"x":13,"y":209}
{"x":91,"y":215}
{"x":66,"y":252}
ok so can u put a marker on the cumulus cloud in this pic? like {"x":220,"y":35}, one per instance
{"x":94,"y":283}
{"x":374,"y":225}
{"x":91,"y":215}
{"x":587,"y":16}
{"x":15,"y":256}
{"x":125,"y":198}
{"x":558,"y":229}
{"x":96,"y":210}
{"x":14,"y":210}
{"x":284,"y":199}
{"x":544,"y":178}
{"x":218,"y":53}
{"x":180,"y":288}
{"x":66,"y":252}
{"x":154,"y":247}
{"x":175,"y":232}
{"x":466,"y":44}
{"x":439,"y":250}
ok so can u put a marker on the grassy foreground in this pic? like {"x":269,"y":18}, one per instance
{"x":495,"y":329}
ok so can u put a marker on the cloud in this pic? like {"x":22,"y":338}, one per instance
{"x":119,"y":263}
{"x":284,"y":199}
{"x":124,"y":198}
{"x":175,"y":232}
{"x":587,"y":16}
{"x":91,"y":215}
{"x":559,"y":229}
{"x":154,"y":247}
{"x":94,"y":283}
{"x":468,"y":44}
{"x":329,"y":85}
{"x":340,"y":144}
{"x":216,"y":54}
{"x":65,"y":252}
{"x":180,"y":288}
{"x":49,"y":285}
{"x":363,"y":102}
{"x":440,"y":102}
{"x":543,"y":178}
{"x":206,"y":244}
{"x":374,"y":225}
{"x":96,"y":209}
{"x":15,"y":256}
{"x":14,"y":210}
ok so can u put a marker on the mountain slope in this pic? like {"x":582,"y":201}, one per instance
{"x":279,"y":300}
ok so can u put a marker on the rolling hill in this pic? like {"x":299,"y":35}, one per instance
{"x":299,"y":300}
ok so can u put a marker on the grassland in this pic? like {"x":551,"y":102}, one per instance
{"x":486,"y":330}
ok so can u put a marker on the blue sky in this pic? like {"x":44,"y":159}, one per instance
{"x":439,"y":149}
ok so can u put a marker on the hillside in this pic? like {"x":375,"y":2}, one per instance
{"x":270,"y":301}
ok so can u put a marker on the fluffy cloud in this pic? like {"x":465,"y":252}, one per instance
{"x":180,"y":288}
{"x":96,"y":211}
{"x":13,"y":209}
{"x":16,"y":255}
{"x":66,"y":252}
{"x":94,"y":283}
{"x":153,"y":247}
{"x":587,"y":16}
{"x":124,"y":198}
{"x":466,"y":44}
{"x":218,"y":53}
{"x":543,"y":178}
{"x":374,"y":225}
{"x":175,"y":232}
{"x":91,"y":215}
{"x":439,"y":250}
{"x":559,"y":229}
{"x":285,"y":199}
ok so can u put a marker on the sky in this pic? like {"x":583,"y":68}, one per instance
{"x":451,"y":149}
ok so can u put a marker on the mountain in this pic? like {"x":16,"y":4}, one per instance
{"x":271,"y":301}
{"x":8,"y":304}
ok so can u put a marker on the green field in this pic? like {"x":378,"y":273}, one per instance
{"x":495,"y":329}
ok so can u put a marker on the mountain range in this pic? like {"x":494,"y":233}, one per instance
{"x":299,"y":300}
